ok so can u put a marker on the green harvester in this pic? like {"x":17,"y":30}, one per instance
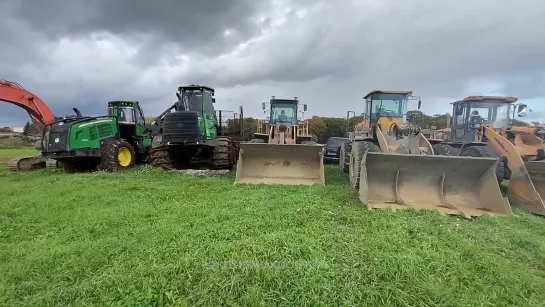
{"x":112,"y":142}
{"x":192,"y":134}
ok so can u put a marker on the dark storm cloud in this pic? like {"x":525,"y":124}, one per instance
{"x":328,"y":53}
{"x":528,"y":86}
{"x":191,"y":24}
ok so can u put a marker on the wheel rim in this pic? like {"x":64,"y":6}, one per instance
{"x":124,"y":156}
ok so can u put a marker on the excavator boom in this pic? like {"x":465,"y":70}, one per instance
{"x":12,"y":92}
{"x":39,"y":112}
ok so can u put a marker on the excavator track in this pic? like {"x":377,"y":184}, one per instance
{"x":25,"y":164}
{"x":51,"y":164}
{"x":224,"y":154}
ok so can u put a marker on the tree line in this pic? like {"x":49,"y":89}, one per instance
{"x":322,"y":128}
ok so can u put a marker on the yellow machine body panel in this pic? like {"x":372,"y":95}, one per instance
{"x":404,"y":172}
{"x":285,"y":154}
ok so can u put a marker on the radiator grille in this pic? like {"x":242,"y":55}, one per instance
{"x":181,"y":127}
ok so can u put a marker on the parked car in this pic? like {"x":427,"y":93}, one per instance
{"x":332,"y":149}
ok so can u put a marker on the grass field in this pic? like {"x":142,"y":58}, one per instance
{"x":146,"y":237}
{"x":8,"y":153}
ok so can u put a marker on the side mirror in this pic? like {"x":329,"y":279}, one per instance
{"x":263,"y":106}
{"x":522,"y":110}
{"x":213,"y":100}
{"x":419,"y":104}
{"x":305,"y":107}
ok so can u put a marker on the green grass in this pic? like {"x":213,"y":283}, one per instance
{"x":10,"y":143}
{"x":147,"y":237}
{"x":7,"y":153}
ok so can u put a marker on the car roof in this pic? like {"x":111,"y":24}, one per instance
{"x":337,"y":138}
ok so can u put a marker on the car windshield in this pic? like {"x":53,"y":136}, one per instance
{"x":284,"y":113}
{"x":494,"y":113}
{"x":125,"y":114}
{"x":391,"y":105}
{"x":332,"y":142}
{"x":193,"y":100}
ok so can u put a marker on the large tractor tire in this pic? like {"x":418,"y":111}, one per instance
{"x":161,"y":157}
{"x":116,"y":154}
{"x":484,"y":151}
{"x":225,"y":153}
{"x":445,"y":150}
{"x":359,"y":148}
{"x":344,"y":157}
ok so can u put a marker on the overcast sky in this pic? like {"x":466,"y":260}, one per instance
{"x":84,"y":53}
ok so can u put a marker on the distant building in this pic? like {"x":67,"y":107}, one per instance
{"x":17,"y":129}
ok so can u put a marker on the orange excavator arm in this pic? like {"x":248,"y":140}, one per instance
{"x":12,"y":92}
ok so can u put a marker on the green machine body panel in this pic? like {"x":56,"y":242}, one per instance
{"x":200,"y":98}
{"x":89,"y":134}
{"x":81,"y":136}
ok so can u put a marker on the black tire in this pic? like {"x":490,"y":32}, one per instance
{"x":359,"y":148}
{"x":145,"y":158}
{"x":69,"y":168}
{"x":78,"y":167}
{"x":445,"y":150}
{"x":225,"y":153}
{"x":161,"y":157}
{"x":485,"y":152}
{"x":344,"y":157}
{"x":110,"y":155}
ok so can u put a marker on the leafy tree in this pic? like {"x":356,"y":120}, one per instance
{"x":26,"y":128}
{"x":32,"y":129}
{"x":317,"y":127}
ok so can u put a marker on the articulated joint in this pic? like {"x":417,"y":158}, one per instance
{"x":400,"y":131}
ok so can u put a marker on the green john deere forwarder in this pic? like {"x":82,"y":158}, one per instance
{"x":191,"y":133}
{"x":111,"y":142}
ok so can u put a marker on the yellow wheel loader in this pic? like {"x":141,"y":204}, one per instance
{"x":481,"y":128}
{"x":282,"y":151}
{"x":394,"y":166}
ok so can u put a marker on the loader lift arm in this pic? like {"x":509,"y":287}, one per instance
{"x":519,"y":161}
{"x":526,"y":184}
{"x":394,"y":166}
{"x":14,"y":93}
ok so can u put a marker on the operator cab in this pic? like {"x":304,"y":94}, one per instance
{"x":196,"y":98}
{"x":390,"y":104}
{"x":130,"y":118}
{"x":284,"y":111}
{"x":474,"y":112}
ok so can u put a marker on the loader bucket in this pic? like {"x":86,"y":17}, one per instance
{"x":280,"y":164}
{"x":465,"y":186}
{"x":527,"y":187}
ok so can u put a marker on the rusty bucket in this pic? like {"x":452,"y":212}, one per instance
{"x":289,"y":164}
{"x":465,"y":186}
